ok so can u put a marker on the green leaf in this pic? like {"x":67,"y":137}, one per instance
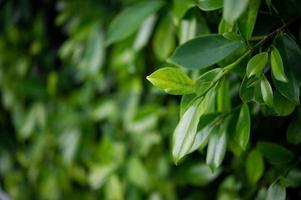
{"x":232,"y":144}
{"x":172,"y":81}
{"x":227,"y":190}
{"x":208,"y":50}
{"x":291,"y":57}
{"x":197,"y":174}
{"x":266,"y":91}
{"x":293,"y":132}
{"x":256,"y":64}
{"x":276,"y":192}
{"x":94,"y":53}
{"x":188,"y":29}
{"x":254,"y":166}
{"x":282,"y":105}
{"x":223,"y":96}
{"x":246,"y":93}
{"x":138,"y":174}
{"x":233,"y":9}
{"x":207,"y":80}
{"x":201,"y":139}
{"x":247,"y":21}
{"x":277,"y":66}
{"x":205,"y":127}
{"x":144,"y":33}
{"x":232,"y":36}
{"x":225,"y":27}
{"x":217,"y":147}
{"x":208,"y":104}
{"x":99,"y":173}
{"x":184,"y":134}
{"x":130,"y":19}
{"x":209,"y":5}
{"x":243,"y":127}
{"x":114,"y":184}
{"x":258,"y":98}
{"x":186,"y":101}
{"x":294,"y":178}
{"x":164,"y":39}
{"x":180,"y":7}
{"x":275,"y":153}
{"x":253,"y":81}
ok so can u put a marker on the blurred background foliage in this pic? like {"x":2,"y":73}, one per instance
{"x":78,"y":119}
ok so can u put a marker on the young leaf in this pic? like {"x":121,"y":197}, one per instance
{"x":243,"y":127}
{"x":277,"y":66}
{"x":247,"y":21}
{"x":276,"y":192}
{"x":209,"y":5}
{"x":217,"y":147}
{"x":172,"y":81}
{"x":208,"y":50}
{"x":266,"y":91}
{"x":129,"y":20}
{"x":184,"y":134}
{"x":256,"y":64}
{"x":275,"y":153}
{"x":207,"y":80}
{"x":233,"y":9}
{"x":254,"y":166}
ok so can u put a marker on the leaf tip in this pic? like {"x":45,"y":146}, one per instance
{"x":175,"y":160}
{"x":213,"y":168}
{"x":150,"y":79}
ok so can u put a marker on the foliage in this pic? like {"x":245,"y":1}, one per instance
{"x":79,"y":119}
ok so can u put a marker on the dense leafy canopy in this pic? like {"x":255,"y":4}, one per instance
{"x":80,"y":120}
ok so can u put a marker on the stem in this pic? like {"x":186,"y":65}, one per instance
{"x":268,"y":36}
{"x":228,"y":68}
{"x":258,"y":37}
{"x":231,"y":66}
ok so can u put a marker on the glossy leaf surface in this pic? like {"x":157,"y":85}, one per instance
{"x":208,"y":49}
{"x":172,"y":81}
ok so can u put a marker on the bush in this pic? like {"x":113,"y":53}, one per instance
{"x":80,"y":120}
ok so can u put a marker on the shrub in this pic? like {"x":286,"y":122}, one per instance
{"x":80,"y":119}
